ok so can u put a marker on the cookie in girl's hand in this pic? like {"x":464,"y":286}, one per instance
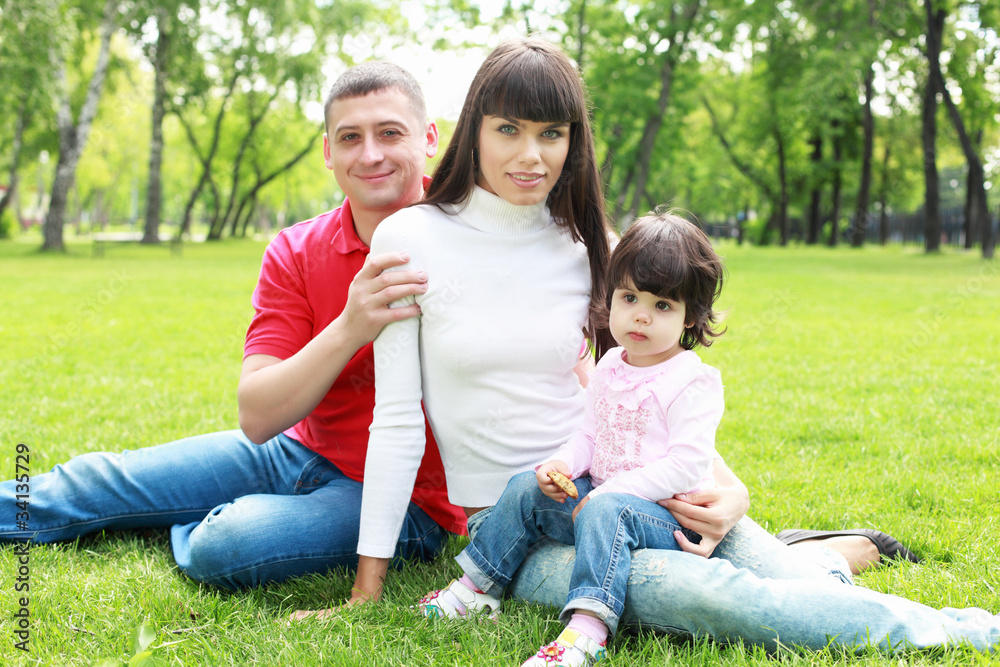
{"x":563,"y":483}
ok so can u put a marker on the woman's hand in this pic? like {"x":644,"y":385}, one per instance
{"x":711,"y":513}
{"x":323,"y":614}
{"x":367,"y":588}
{"x":547,"y":486}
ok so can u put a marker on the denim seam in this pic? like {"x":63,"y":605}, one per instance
{"x":105,"y":518}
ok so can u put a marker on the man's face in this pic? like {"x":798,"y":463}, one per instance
{"x":377,"y":148}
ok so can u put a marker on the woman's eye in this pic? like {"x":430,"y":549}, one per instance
{"x":507,"y":129}
{"x":552,"y":134}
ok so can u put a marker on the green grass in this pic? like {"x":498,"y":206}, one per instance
{"x":861,"y":390}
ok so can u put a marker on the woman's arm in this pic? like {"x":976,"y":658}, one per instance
{"x":397,"y":435}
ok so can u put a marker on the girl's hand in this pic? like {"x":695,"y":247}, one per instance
{"x":547,"y":486}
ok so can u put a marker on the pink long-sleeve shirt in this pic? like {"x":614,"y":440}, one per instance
{"x":648,"y":431}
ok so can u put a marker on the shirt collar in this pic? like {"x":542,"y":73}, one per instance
{"x":346,"y":239}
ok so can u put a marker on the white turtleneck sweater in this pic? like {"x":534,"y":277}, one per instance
{"x":491,"y":355}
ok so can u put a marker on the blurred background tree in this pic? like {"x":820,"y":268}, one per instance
{"x":834,"y":121}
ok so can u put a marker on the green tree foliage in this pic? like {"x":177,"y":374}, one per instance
{"x":801,"y":120}
{"x":26,"y":67}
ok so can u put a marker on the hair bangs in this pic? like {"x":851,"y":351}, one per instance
{"x":652,"y":268}
{"x":532,"y":87}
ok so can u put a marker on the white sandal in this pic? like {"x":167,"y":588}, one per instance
{"x":438,"y":605}
{"x":570,"y":648}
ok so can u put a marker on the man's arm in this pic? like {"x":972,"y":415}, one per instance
{"x":275,"y":394}
{"x":711,"y":513}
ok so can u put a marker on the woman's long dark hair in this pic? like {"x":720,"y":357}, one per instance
{"x":529,"y":79}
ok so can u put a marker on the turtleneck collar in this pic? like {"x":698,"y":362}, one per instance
{"x":489,"y":213}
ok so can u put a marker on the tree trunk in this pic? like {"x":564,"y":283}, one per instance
{"x":932,"y":203}
{"x":206,"y":162}
{"x":228,"y":219}
{"x":883,"y":226}
{"x":251,"y":197}
{"x":815,"y":199}
{"x":73,"y":138}
{"x":22,"y":121}
{"x":649,"y":133}
{"x":742,"y":224}
{"x":607,"y":167}
{"x":979,"y":206}
{"x":655,"y":121}
{"x":837,"y":184}
{"x":783,"y":192}
{"x":154,"y":191}
{"x":970,"y":225}
{"x":864,"y":188}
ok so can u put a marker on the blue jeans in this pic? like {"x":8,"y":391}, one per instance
{"x":757,"y":590}
{"x":240,"y":514}
{"x":606,"y":531}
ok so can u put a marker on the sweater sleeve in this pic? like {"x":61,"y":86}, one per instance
{"x":685,"y":461}
{"x":396,"y":440}
{"x":578,"y":452}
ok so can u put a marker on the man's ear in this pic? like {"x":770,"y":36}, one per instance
{"x":327,"y":157}
{"x":432,"y":138}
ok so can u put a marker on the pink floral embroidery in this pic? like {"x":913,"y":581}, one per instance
{"x":619,"y":434}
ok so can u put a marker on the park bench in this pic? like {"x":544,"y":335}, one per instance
{"x":102,"y":239}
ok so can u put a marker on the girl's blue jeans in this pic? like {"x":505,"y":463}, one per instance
{"x":606,"y":531}
{"x":240,"y":514}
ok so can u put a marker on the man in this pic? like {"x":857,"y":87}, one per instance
{"x":242,"y":514}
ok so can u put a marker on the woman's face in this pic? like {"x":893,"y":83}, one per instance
{"x":521,"y":160}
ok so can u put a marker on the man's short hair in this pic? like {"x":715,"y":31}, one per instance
{"x":375,"y":76}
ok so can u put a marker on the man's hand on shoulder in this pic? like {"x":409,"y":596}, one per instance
{"x":371,"y":292}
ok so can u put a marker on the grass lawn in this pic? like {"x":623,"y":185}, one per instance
{"x":862,"y":390}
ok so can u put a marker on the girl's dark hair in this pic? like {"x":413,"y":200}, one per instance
{"x":666,"y":255}
{"x":529,"y":79}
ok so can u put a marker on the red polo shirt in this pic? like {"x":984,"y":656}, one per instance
{"x":303,"y":284}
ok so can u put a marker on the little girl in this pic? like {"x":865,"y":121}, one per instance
{"x":649,"y":433}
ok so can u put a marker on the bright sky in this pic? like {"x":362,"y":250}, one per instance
{"x":444,"y":75}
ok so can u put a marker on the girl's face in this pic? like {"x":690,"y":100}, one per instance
{"x":648,"y":326}
{"x":520,"y":160}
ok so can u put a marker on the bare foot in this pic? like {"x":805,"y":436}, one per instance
{"x":860,"y":552}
